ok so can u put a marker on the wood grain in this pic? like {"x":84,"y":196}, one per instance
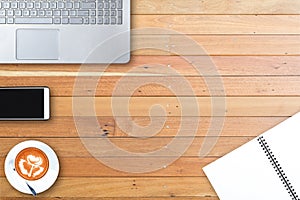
{"x":230,"y":45}
{"x":73,"y":147}
{"x":113,"y":198}
{"x":216,"y":7}
{"x":140,"y":106}
{"x":221,"y":24}
{"x":62,"y":127}
{"x":253,"y":45}
{"x":91,"y":167}
{"x":147,"y":86}
{"x":147,"y":65}
{"x":127,"y":187}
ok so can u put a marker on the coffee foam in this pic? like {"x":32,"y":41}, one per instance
{"x":31,"y":163}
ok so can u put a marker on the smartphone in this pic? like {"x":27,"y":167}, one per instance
{"x":24,"y":103}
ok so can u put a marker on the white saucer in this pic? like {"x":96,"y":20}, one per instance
{"x":40,"y":185}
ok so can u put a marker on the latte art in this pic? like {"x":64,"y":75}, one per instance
{"x":31,"y":163}
{"x":35,"y":163}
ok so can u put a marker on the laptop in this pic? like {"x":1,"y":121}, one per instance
{"x":64,"y":31}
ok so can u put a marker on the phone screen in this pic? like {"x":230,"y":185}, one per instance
{"x":22,"y":103}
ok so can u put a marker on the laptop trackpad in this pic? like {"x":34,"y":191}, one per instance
{"x":37,"y":44}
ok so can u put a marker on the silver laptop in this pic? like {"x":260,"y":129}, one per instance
{"x":64,"y":31}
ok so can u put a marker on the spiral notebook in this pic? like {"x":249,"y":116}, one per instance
{"x":266,"y":168}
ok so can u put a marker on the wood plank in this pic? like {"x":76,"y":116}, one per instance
{"x":65,"y":127}
{"x":140,"y":106}
{"x":216,"y":45}
{"x":221,"y":24}
{"x":113,"y":198}
{"x":226,"y":66}
{"x":233,"y":126}
{"x":230,"y":45}
{"x":73,"y":147}
{"x":126,"y":187}
{"x":147,"y":86}
{"x":55,"y":127}
{"x":218,"y":7}
{"x":90,"y":167}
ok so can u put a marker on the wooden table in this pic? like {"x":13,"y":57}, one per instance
{"x":255,"y":46}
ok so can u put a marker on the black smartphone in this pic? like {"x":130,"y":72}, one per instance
{"x":24,"y":103}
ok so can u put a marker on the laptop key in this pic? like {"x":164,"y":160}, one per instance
{"x":26,"y":13}
{"x":32,"y":20}
{"x":119,"y":4}
{"x":22,"y":5}
{"x":10,"y":20}
{"x":37,"y":5}
{"x":106,"y":20}
{"x":86,"y":20}
{"x":2,"y":20}
{"x":6,"y":4}
{"x":113,"y":20}
{"x":106,"y":5}
{"x":18,"y":12}
{"x":100,"y":13}
{"x":113,"y":5}
{"x":61,"y":5}
{"x":65,"y":20}
{"x":120,"y":13}
{"x":48,"y":13}
{"x":10,"y":13}
{"x":77,"y":5}
{"x":73,"y":12}
{"x":119,"y":20}
{"x":2,"y":12}
{"x":32,"y":13}
{"x":100,"y":5}
{"x":57,"y":13}
{"x":69,"y":5}
{"x":88,"y":5}
{"x":100,"y":20}
{"x":45,"y":5}
{"x":53,"y":5}
{"x":65,"y":13}
{"x":76,"y":21}
{"x":14,"y":5}
{"x":83,"y":13}
{"x":41,"y":13}
{"x":93,"y":12}
{"x":56,"y":20}
{"x":113,"y":13}
{"x":30,"y":5}
{"x":93,"y":20}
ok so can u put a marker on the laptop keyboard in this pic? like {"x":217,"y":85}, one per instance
{"x":89,"y":12}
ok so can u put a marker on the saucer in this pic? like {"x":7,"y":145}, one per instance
{"x":21,"y":184}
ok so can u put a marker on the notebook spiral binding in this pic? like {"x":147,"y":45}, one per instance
{"x":280,"y":172}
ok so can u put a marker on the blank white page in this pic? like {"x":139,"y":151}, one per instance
{"x":247,"y":173}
